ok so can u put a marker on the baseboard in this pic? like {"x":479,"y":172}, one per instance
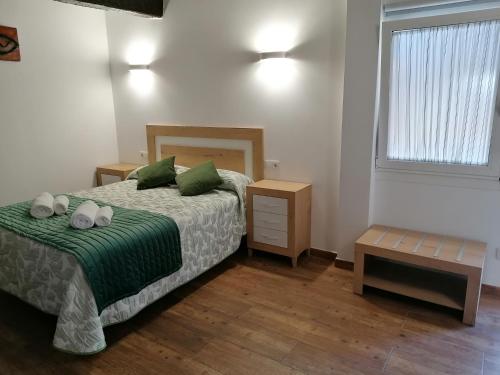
{"x":339,"y":263}
{"x":324,"y":254}
{"x":344,"y":264}
{"x":491,"y":290}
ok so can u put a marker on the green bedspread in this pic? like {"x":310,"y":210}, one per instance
{"x":137,"y":249}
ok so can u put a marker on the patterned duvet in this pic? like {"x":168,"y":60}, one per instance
{"x":211,"y":226}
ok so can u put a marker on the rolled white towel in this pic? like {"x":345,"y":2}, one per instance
{"x":104,"y":216}
{"x":42,"y":206}
{"x":61,"y":204}
{"x":84,"y":215}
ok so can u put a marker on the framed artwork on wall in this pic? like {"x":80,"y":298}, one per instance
{"x":9,"y":44}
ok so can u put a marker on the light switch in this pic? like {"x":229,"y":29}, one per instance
{"x":272,"y":164}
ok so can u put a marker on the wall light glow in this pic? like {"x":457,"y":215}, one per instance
{"x":141,"y":81}
{"x":277,"y":73}
{"x":140,"y":53}
{"x":277,"y":37}
{"x":139,"y":56}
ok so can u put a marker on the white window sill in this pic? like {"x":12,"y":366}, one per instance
{"x":441,"y":169}
{"x":457,"y":180}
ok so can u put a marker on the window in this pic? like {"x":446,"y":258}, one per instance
{"x":438,"y":112}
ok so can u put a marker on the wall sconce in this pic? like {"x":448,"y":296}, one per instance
{"x":273,"y":55}
{"x":276,"y":69}
{"x":135,"y":67}
{"x":141,"y":79}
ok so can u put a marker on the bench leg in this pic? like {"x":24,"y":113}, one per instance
{"x":359,"y":269}
{"x":472,"y":297}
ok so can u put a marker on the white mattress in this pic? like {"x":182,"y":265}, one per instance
{"x":211,"y":226}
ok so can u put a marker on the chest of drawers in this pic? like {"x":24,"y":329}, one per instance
{"x":279,"y":217}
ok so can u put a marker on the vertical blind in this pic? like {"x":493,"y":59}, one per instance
{"x":443,"y":93}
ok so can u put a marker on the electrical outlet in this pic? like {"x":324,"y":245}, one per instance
{"x":274,"y":164}
{"x":497,"y":255}
{"x":144,"y":155}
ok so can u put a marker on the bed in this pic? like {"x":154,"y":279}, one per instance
{"x":210,"y":225}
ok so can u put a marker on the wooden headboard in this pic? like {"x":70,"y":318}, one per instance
{"x":236,"y":149}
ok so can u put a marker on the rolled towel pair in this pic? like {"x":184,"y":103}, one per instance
{"x":45,"y":205}
{"x":89,"y":214}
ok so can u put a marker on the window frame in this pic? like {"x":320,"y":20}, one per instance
{"x":381,"y":161}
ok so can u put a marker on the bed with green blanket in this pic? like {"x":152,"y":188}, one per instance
{"x":114,"y":259}
{"x":158,"y":241}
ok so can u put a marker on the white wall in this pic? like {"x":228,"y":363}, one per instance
{"x":56,"y":106}
{"x":363,"y":18}
{"x":448,"y":205}
{"x":205,"y":73}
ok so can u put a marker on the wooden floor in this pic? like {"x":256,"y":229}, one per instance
{"x":259,"y":316}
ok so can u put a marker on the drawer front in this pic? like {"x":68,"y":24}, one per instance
{"x":270,"y":237}
{"x":270,"y":204}
{"x":270,"y":221}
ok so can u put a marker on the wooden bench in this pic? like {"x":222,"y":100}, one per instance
{"x":439,"y":269}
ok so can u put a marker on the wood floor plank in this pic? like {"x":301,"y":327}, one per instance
{"x":203,"y":319}
{"x":260,"y":316}
{"x":228,"y":358}
{"x":440,"y":325}
{"x":405,"y":365}
{"x":314,"y":361}
{"x":413,"y":353}
{"x":344,"y":314}
{"x":170,"y":333}
{"x":268,"y":343}
{"x":215,"y":300}
{"x":277,"y":320}
{"x":158,"y":358}
{"x":351,"y":345}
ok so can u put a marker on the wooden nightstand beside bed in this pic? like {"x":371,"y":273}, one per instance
{"x":279,"y":217}
{"x":121,"y":170}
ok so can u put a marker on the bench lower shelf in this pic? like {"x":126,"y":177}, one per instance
{"x":424,"y":284}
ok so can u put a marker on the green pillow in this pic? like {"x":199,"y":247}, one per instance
{"x":199,"y":179}
{"x":161,"y":173}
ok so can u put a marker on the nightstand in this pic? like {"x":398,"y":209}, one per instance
{"x":121,"y":170}
{"x":279,"y":218}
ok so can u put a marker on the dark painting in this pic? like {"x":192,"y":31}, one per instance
{"x":151,"y":8}
{"x":9,"y":44}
